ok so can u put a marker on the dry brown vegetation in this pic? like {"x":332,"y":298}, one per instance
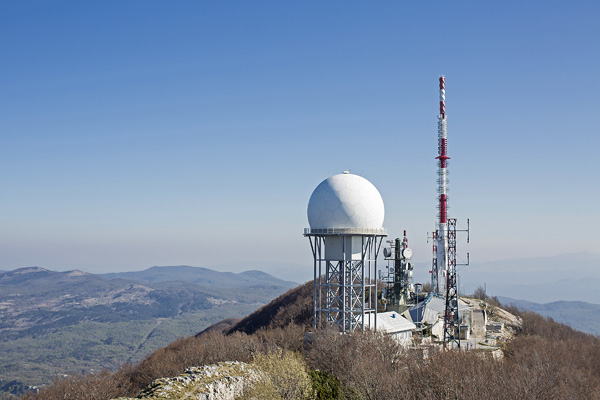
{"x":293,"y":307}
{"x":551,"y":361}
{"x":171,"y":361}
{"x":546,"y":360}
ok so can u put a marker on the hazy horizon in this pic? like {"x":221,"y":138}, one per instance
{"x":537,"y":279}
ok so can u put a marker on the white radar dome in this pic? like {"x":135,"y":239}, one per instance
{"x":345,"y":201}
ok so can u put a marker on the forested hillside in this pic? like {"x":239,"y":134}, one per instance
{"x":545,"y":360}
{"x":54,"y":323}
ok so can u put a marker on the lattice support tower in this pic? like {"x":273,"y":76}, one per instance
{"x":451,"y":316}
{"x":345,"y":289}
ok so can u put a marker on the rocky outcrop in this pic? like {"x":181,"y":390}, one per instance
{"x":222,"y":381}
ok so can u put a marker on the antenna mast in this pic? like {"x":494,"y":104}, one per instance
{"x":441,"y":267}
{"x":445,"y":257}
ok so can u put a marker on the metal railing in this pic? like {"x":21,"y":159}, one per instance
{"x":346,"y":231}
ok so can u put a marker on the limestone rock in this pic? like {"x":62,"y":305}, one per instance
{"x":222,"y":381}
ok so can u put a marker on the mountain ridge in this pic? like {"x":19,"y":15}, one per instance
{"x":579,"y":315}
{"x":189,"y":273}
{"x":569,"y":277}
{"x":99,"y":322}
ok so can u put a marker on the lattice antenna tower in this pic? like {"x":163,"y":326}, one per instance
{"x":444,"y":264}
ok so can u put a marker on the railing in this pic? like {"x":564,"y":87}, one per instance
{"x":346,"y":231}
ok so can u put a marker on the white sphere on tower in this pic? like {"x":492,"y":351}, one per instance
{"x":346,"y":201}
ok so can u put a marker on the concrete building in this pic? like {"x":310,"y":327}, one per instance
{"x":396,"y":326}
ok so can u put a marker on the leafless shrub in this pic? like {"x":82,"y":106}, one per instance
{"x":290,"y":338}
{"x":553,"y":360}
{"x":364,"y":362}
{"x":207,"y":349}
{"x":545,"y":360}
{"x":479,"y":293}
{"x":103,"y":385}
{"x":293,"y":307}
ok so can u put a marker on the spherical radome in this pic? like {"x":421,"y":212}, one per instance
{"x":345,"y":201}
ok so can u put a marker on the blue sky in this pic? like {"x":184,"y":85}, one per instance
{"x":145,"y":133}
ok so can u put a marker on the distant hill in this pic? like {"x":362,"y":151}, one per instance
{"x":293,"y":307}
{"x":577,"y":314}
{"x":54,"y":323}
{"x":203,"y":276}
{"x":571,"y":277}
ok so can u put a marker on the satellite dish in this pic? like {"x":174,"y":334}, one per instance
{"x":407,"y":253}
{"x":387,"y":252}
{"x":409,"y":266}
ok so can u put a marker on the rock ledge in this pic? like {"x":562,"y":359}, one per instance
{"x":222,"y":381}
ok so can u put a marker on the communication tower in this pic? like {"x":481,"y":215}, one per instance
{"x":444,"y":277}
{"x":399,"y":274}
{"x":345,"y":214}
{"x":441,"y":267}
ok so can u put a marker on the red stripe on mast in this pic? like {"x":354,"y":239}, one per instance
{"x":442,"y":102}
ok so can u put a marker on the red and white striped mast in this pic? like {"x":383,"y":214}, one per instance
{"x":442,"y":233}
